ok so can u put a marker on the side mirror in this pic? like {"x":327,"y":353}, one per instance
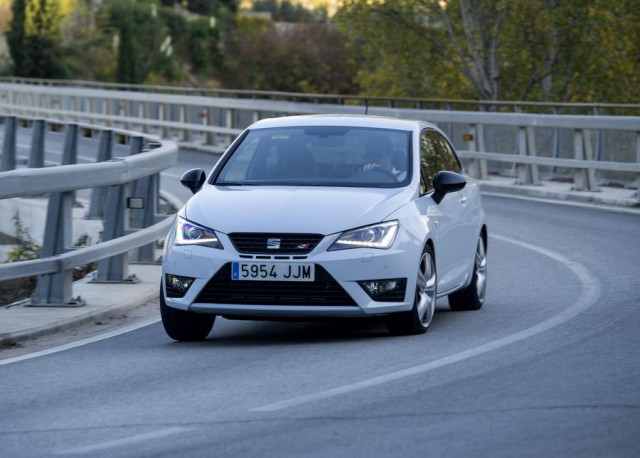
{"x":193,"y":179}
{"x":445,"y":182}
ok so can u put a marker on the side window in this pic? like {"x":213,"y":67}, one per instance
{"x":435,"y":155}
{"x":453,"y":165}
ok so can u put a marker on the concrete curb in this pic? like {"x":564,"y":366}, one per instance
{"x":562,"y":193}
{"x":20,"y":323}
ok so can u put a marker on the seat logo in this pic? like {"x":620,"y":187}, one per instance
{"x":273,"y":244}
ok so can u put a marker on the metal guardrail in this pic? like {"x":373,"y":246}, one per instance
{"x":348,"y":99}
{"x":211,"y":123}
{"x":112,"y":181}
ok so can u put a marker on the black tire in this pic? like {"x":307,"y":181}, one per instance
{"x":472,"y":297}
{"x":184,"y":326}
{"x":417,"y":320}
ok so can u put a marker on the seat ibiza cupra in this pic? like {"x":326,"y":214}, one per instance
{"x":326,"y":216}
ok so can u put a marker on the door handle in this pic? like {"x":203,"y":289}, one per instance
{"x":463,"y":200}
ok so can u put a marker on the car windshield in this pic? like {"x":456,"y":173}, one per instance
{"x":320,"y":156}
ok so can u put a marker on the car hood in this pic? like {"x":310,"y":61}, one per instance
{"x":304,"y":209}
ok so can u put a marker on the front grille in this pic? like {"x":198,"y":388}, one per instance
{"x":324,"y":291}
{"x":259,"y":243}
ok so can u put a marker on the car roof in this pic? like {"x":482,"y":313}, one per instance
{"x":380,"y":122}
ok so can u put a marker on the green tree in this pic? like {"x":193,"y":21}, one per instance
{"x":426,"y":47}
{"x":565,"y":50}
{"x":202,"y":45}
{"x":129,"y":66}
{"x":286,"y":11}
{"x":144,"y":49}
{"x":35,"y":39}
{"x":209,"y":7}
{"x":298,"y":58}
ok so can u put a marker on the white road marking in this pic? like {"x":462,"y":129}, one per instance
{"x":79,"y":343}
{"x":125,"y":441}
{"x":568,"y":203}
{"x":590,"y":294}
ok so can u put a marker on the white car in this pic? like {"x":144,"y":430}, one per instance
{"x":326,"y":216}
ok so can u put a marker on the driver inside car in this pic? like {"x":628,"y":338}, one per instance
{"x":380,"y":153}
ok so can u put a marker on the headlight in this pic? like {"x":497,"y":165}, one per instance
{"x":188,"y":233}
{"x":380,"y":236}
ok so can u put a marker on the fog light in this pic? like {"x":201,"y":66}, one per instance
{"x":390,"y":290}
{"x":177,"y":286}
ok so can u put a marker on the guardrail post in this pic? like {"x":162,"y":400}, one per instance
{"x":73,"y":105}
{"x":527,"y":173}
{"x":105,"y":112}
{"x":477,"y":167}
{"x":70,"y":149}
{"x":143,"y":111}
{"x":9,"y":145}
{"x":146,"y":189}
{"x":137,"y":187}
{"x":210,"y":137}
{"x":555,"y":145}
{"x":99,"y":195}
{"x":599,"y":142}
{"x":584,"y":179}
{"x":164,"y":116}
{"x":143,"y":211}
{"x":116,"y":268}
{"x":36,"y":155}
{"x":229,"y":115}
{"x":637,"y":184}
{"x":56,"y":290}
{"x":183,"y":118}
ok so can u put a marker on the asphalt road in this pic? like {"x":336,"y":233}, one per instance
{"x":549,"y":367}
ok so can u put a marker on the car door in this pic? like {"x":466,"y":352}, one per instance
{"x":451,"y":235}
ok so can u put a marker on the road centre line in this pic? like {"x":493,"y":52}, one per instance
{"x":125,"y":441}
{"x":590,"y":294}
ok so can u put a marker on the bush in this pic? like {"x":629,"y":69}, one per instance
{"x":26,"y":249}
{"x":296,"y":57}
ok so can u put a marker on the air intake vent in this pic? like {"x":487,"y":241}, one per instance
{"x":323,"y":291}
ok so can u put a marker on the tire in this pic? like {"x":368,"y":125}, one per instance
{"x":472,"y":297}
{"x":182,"y":325}
{"x":417,"y":320}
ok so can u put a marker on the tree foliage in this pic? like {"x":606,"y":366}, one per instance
{"x":285,"y":10}
{"x":206,"y":7}
{"x":35,"y":38}
{"x":300,"y":57}
{"x":498,"y":49}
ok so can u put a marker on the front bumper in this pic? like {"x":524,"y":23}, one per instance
{"x":339,"y":271}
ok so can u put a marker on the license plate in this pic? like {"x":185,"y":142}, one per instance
{"x":272,"y":271}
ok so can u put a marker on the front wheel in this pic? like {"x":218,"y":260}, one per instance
{"x":418,"y":319}
{"x":182,"y":325}
{"x":472,"y":297}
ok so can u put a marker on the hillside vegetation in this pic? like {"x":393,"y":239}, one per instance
{"x":540,"y":50}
